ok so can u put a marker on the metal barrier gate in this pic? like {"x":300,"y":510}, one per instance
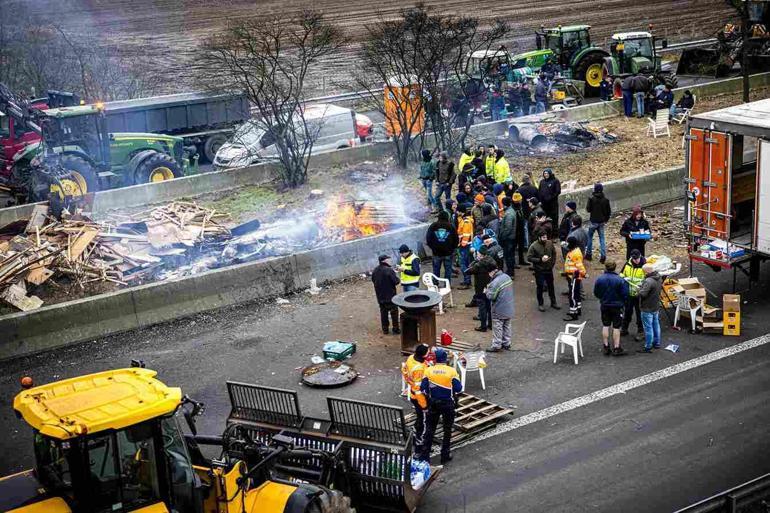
{"x":750,"y":497}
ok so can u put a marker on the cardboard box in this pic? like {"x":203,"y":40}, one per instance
{"x":731,"y":303}
{"x":693,"y":288}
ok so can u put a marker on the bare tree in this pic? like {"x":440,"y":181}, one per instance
{"x":268,"y":58}
{"x":424,"y":57}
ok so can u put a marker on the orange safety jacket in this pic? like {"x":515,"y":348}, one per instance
{"x":413,"y":372}
{"x":465,"y":230}
{"x":573,"y":263}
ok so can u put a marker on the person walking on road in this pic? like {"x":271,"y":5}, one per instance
{"x":442,"y":240}
{"x":409,"y":269}
{"x":542,"y":255}
{"x":507,"y":235}
{"x":635,"y":226}
{"x":413,"y":370}
{"x":575,"y":272}
{"x":385,"y":282}
{"x":599,"y":209}
{"x":549,"y":192}
{"x":427,"y":176}
{"x":441,"y":386}
{"x":633,"y":273}
{"x":649,"y":296}
{"x":612,"y":291}
{"x":445,"y":176}
{"x":500,"y":294}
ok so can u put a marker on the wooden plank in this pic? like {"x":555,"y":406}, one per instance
{"x":81,"y":243}
{"x":38,"y":275}
{"x":486,"y":419}
{"x":473,"y":413}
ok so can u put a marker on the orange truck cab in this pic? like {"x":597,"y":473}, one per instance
{"x":728,"y":188}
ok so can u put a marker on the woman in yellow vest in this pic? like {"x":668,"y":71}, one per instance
{"x":409,"y":268}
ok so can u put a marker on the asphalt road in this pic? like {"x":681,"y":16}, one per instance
{"x":653,"y":449}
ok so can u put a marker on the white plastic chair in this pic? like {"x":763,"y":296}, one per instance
{"x":659,"y":125}
{"x":571,"y":336}
{"x":688,"y":304}
{"x":472,"y":364}
{"x":681,"y":117}
{"x":440,"y":285}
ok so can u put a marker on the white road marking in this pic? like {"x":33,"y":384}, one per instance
{"x":620,"y":388}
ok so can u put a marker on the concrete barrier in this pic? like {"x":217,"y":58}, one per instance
{"x":68,"y":323}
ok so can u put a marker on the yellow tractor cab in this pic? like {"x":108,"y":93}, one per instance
{"x":114,"y":442}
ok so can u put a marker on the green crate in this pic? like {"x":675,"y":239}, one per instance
{"x":338,"y":350}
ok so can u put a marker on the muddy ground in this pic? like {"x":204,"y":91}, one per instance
{"x":168,"y":31}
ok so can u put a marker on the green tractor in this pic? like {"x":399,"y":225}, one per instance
{"x":634,"y":52}
{"x":77,"y":155}
{"x":570,"y":48}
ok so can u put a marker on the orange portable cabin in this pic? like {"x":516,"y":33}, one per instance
{"x":403,"y":107}
{"x":728,"y":187}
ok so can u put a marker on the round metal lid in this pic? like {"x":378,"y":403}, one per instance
{"x":329,"y":374}
{"x":416,"y":300}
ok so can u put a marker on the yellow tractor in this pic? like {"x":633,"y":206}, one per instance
{"x":114,"y":442}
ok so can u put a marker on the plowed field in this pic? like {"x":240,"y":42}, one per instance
{"x":169,"y":30}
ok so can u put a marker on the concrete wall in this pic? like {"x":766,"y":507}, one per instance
{"x":67,"y":323}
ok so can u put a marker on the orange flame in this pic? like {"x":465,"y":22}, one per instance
{"x":353,"y":219}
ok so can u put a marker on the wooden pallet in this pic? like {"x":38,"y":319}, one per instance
{"x":472,"y":416}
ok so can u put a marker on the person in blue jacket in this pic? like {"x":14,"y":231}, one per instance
{"x":612,"y":292}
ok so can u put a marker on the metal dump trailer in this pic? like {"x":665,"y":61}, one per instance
{"x":728,"y":188}
{"x":203,"y":120}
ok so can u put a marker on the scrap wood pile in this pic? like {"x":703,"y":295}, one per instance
{"x":85,"y":251}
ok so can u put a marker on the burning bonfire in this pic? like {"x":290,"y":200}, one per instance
{"x":348,"y":219}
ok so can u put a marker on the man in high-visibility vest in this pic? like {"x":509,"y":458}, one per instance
{"x":409,"y":269}
{"x":465,"y":235}
{"x":413,"y":370}
{"x":441,"y":385}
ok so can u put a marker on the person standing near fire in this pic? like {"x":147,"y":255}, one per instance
{"x":409,"y":267}
{"x":413,"y":370}
{"x":385,"y":282}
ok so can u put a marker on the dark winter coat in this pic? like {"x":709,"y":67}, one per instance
{"x":549,"y":190}
{"x":641,"y":84}
{"x":611,"y":290}
{"x":480,"y":270}
{"x":491,"y":222}
{"x":508,"y":226}
{"x":535,"y":256}
{"x":599,"y":208}
{"x":527,"y":190}
{"x":445,"y":172}
{"x":649,"y":292}
{"x":632,"y":225}
{"x":385,"y":281}
{"x":581,"y":236}
{"x":442,"y":238}
{"x":565,"y":226}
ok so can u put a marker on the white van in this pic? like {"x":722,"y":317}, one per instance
{"x":333,"y":127}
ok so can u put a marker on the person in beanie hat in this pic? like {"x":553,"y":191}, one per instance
{"x":427,"y":175}
{"x":565,"y":226}
{"x":649,"y":298}
{"x":442,"y":240}
{"x":409,"y":269}
{"x":575,"y":272}
{"x":480,"y":270}
{"x":500,"y":294}
{"x":633,"y":273}
{"x":635,"y":224}
{"x":542,"y":256}
{"x":549,"y":192}
{"x":385,"y":282}
{"x":477,"y":212}
{"x":600,"y":211}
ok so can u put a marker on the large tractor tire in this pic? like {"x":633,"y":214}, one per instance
{"x":589,"y":70}
{"x":212,"y":145}
{"x":81,"y":179}
{"x":158,"y":167}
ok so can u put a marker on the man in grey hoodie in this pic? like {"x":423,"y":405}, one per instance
{"x":649,"y":297}
{"x":500,"y":293}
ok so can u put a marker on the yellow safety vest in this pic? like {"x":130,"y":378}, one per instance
{"x":502,"y":170}
{"x":489,"y":166}
{"x":406,"y":265}
{"x":464,"y":159}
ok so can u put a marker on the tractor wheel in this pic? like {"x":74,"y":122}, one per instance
{"x":82,"y":178}
{"x":589,"y":70}
{"x":212,"y":145}
{"x":157,"y":168}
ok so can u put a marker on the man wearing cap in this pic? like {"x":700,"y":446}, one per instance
{"x":500,"y":294}
{"x":445,"y":176}
{"x":477,"y":212}
{"x":413,"y":370}
{"x":441,"y":385}
{"x":649,"y":297}
{"x":409,"y":269}
{"x":633,"y":273}
{"x":385,"y":282}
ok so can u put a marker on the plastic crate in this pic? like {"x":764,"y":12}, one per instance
{"x":338,"y":350}
{"x":732,"y":324}
{"x":640,"y":236}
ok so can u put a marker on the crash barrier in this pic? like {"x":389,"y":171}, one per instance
{"x":375,"y":447}
{"x":753,"y":495}
{"x":85,"y":319}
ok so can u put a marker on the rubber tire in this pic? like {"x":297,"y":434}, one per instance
{"x":143,"y":170}
{"x":82,"y":166}
{"x":211,"y":145}
{"x":582,"y":68}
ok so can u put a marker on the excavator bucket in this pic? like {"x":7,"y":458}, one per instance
{"x":699,"y":61}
